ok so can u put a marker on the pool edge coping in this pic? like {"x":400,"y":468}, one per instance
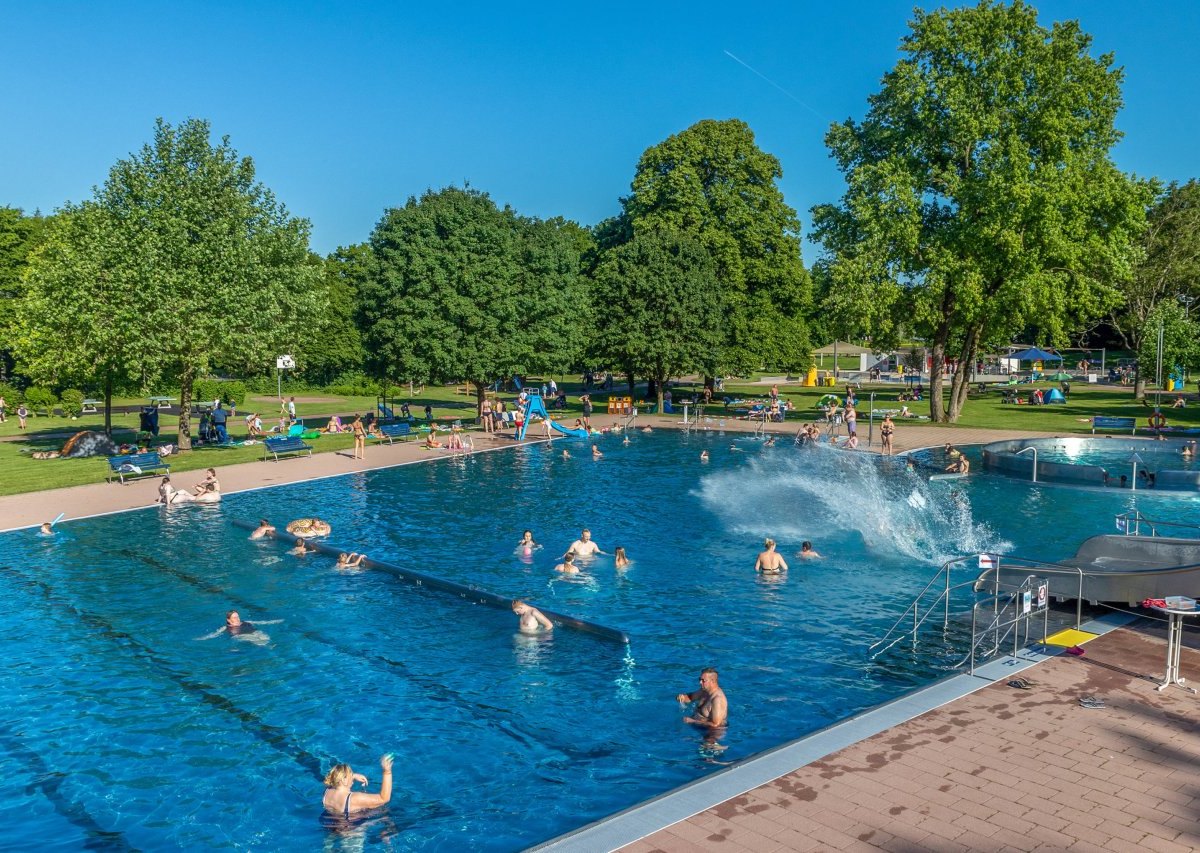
{"x":671,"y":807}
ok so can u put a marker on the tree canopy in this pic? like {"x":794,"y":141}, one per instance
{"x":712,"y":183}
{"x":19,"y":234}
{"x":981,"y":201}
{"x":658,"y":307}
{"x":180,"y":262}
{"x":1167,"y":270}
{"x":457,"y":289}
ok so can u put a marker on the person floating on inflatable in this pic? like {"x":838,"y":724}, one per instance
{"x":307,"y":528}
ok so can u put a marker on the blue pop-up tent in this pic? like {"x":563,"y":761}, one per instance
{"x":1035,"y":354}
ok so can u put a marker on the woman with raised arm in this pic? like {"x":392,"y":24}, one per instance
{"x":339,"y":800}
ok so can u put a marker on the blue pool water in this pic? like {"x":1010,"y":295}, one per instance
{"x":119,"y":728}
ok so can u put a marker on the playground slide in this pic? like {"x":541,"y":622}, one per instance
{"x":574,"y":433}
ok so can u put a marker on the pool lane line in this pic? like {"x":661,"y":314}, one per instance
{"x":273,"y":736}
{"x":471,"y":709}
{"x":49,"y":783}
{"x":473,"y":594}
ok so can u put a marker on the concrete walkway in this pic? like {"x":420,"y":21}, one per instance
{"x":1000,"y":769}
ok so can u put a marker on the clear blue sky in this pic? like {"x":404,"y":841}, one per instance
{"x":350,"y":109}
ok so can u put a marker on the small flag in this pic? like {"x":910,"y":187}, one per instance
{"x":987,"y":561}
{"x":1122,"y":524}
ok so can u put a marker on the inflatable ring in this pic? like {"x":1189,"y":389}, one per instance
{"x":829,"y":400}
{"x":307,"y":528}
{"x":1157,"y":421}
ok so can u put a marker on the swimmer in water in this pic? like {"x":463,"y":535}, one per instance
{"x":584,"y":546}
{"x":596,"y":454}
{"x":340,"y":801}
{"x":647,"y":429}
{"x":240,"y":630}
{"x":566,"y":454}
{"x":532,"y":620}
{"x":567,"y":566}
{"x":47,"y":529}
{"x":710,"y":708}
{"x":527,"y":543}
{"x":350,"y":561}
{"x":300,"y":549}
{"x":806,"y":551}
{"x":703,"y":455}
{"x":264,"y":528}
{"x":626,"y":441}
{"x":770,"y":442}
{"x":622,"y":561}
{"x":770,"y":562}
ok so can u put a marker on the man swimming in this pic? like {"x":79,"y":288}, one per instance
{"x":584,"y":546}
{"x":567,"y":566}
{"x":710,"y":707}
{"x":532,"y":620}
{"x":770,"y":562}
{"x":806,"y":550}
{"x":264,"y":528}
{"x":47,"y":528}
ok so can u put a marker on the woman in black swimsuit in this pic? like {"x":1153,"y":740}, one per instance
{"x":887,"y":429}
{"x":341,"y":801}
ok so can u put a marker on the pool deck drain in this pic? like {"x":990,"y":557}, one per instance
{"x":962,"y":766}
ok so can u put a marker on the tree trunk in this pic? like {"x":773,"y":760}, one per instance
{"x":184,"y":438}
{"x":710,"y":382}
{"x":480,"y":393}
{"x":659,"y":383}
{"x":653,"y":389}
{"x":1139,"y":383}
{"x":108,"y":405}
{"x":961,"y":383}
{"x":632,"y":381}
{"x":936,"y":371}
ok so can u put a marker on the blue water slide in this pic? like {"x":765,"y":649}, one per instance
{"x":535,"y":406}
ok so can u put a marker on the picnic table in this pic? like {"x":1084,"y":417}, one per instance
{"x":161,"y":402}
{"x":89,"y":406}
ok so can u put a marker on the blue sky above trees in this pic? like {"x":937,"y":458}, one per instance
{"x":348,"y":110}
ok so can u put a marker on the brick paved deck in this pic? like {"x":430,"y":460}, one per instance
{"x":1000,"y":769}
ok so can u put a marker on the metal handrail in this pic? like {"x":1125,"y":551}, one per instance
{"x":1133,"y":521}
{"x":1034,"y":449}
{"x":944,"y":595}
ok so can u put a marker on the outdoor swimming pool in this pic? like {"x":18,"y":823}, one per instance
{"x":1099,"y":461}
{"x":121,"y":729}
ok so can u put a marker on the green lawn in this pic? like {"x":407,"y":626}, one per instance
{"x":20,"y":473}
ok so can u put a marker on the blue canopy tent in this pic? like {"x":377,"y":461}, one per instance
{"x":1034,"y":354}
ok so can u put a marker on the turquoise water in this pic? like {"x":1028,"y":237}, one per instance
{"x":1114,"y":454}
{"x":120,"y":728}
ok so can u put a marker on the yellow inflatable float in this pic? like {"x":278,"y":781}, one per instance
{"x":307,"y":528}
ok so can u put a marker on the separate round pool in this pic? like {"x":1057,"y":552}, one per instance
{"x":121,"y":728}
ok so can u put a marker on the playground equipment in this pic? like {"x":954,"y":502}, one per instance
{"x":535,"y":406}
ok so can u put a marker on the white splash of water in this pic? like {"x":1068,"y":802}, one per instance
{"x":816,"y":493}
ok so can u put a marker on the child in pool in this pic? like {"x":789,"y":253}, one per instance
{"x":621,"y":560}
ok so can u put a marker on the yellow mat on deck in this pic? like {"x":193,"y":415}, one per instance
{"x":1070,"y":637}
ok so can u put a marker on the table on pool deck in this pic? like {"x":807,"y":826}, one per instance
{"x":1175,"y":645}
{"x":161,"y":402}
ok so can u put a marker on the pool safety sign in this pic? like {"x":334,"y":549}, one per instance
{"x":1042,"y":595}
{"x":988,"y":561}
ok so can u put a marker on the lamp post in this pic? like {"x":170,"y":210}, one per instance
{"x":1187,"y":299}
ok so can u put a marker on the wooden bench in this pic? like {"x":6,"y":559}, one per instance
{"x":390,"y":432}
{"x":283,"y":446}
{"x":1114,"y":423}
{"x":133,"y":465}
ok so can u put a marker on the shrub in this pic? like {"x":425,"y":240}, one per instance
{"x":206,"y":390}
{"x":38,"y":398}
{"x":10,"y":394}
{"x":233,"y":393}
{"x":353,"y":384}
{"x":72,"y":402}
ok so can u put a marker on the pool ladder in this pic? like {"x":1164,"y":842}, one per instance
{"x":996,"y":617}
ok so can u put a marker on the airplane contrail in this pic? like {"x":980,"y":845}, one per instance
{"x":755,"y":71}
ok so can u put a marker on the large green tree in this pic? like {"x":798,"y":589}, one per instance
{"x":659,"y":309}
{"x":458,"y":289}
{"x":1167,"y":270}
{"x":182,"y":261}
{"x":333,"y":346}
{"x":714,"y":184}
{"x":981,"y":201}
{"x":19,"y":234}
